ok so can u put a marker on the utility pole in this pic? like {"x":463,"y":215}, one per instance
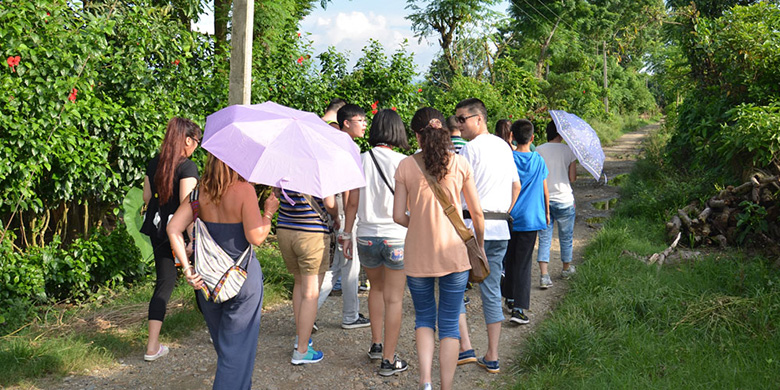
{"x":606,"y":93}
{"x":240,"y":90}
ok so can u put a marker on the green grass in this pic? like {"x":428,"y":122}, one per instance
{"x":708,"y":323}
{"x":65,"y":339}
{"x":617,"y":125}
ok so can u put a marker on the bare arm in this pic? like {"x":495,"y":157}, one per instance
{"x":546,"y":201}
{"x":256,"y":225}
{"x":350,"y":214}
{"x":147,"y":190}
{"x":332,"y":208}
{"x":573,"y":171}
{"x":477,"y":218}
{"x":180,"y":221}
{"x":186,"y":186}
{"x":516,"y":186}
{"x":399,"y":205}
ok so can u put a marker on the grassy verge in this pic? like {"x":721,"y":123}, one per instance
{"x":705,"y":323}
{"x":64,"y":339}
{"x":617,"y":125}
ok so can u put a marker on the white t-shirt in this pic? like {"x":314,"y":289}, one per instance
{"x":375,"y":212}
{"x":494,"y":172}
{"x":558,"y":157}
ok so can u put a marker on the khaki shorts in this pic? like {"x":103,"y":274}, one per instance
{"x":304,"y":253}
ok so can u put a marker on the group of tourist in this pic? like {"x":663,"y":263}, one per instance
{"x":395,"y":228}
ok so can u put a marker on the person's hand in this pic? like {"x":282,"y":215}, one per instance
{"x":336,"y":224}
{"x":548,"y":219}
{"x":271,"y":204}
{"x":345,"y":239}
{"x":193,"y":279}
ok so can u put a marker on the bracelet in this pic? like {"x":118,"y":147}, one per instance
{"x":345,"y":236}
{"x":184,"y":269}
{"x":269,"y":216}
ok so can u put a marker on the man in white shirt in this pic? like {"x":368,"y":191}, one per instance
{"x":562,"y":165}
{"x":498,"y":186}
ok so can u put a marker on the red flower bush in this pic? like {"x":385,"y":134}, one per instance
{"x":176,"y":62}
{"x":72,"y":96}
{"x":374,"y":104}
{"x":12,"y":62}
{"x":300,"y":60}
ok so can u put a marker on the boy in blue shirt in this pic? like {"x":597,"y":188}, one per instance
{"x":531,"y":213}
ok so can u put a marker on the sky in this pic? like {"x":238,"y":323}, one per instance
{"x":349,"y":24}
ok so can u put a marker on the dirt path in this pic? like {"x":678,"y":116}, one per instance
{"x":191,"y":363}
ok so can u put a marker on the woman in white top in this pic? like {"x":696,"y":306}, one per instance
{"x":380,"y":241}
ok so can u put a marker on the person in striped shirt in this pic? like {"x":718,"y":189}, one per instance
{"x":454,"y":128}
{"x":302,"y":229}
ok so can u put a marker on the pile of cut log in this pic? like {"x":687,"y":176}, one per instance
{"x":716,"y":222}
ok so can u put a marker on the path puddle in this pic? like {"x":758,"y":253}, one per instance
{"x":606,"y":204}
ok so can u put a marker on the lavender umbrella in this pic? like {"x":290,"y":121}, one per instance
{"x":582,"y":140}
{"x":282,"y":147}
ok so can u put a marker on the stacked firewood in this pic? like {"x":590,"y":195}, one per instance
{"x":716,"y":223}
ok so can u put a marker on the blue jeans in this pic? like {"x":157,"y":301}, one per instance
{"x":564,"y":214}
{"x":451,"y":289}
{"x":490,"y":288}
{"x":378,"y":251}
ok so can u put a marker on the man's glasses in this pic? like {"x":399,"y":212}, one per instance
{"x":359,"y":120}
{"x":463,"y":120}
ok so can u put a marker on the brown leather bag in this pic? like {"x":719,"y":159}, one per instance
{"x":480,"y":269}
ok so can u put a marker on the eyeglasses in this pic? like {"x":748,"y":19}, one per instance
{"x":359,"y":120}
{"x":463,"y":120}
{"x":197,"y":141}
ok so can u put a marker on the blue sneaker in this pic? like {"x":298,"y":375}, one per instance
{"x":490,"y":366}
{"x":466,"y":357}
{"x":311,"y":356}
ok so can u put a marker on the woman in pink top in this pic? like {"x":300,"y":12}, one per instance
{"x":433,"y":249}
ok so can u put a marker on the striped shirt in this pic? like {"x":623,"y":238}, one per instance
{"x":300,"y":216}
{"x":457,"y":143}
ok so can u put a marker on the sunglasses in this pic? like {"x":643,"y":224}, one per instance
{"x":463,"y":120}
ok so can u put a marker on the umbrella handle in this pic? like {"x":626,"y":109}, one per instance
{"x":284,"y":193}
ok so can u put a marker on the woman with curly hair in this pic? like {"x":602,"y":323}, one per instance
{"x":433,"y":249}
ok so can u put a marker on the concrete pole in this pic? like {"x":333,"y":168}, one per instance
{"x":241,"y":52}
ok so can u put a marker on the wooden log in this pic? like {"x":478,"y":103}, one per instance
{"x":743,"y":188}
{"x":673,"y":227}
{"x":686,"y":220}
{"x":717,"y":203}
{"x":705,"y":214}
{"x":721,"y":240}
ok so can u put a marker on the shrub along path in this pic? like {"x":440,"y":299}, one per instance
{"x":191,"y":362}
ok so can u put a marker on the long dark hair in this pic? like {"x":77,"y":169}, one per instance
{"x":503,"y":130}
{"x":387,"y":127}
{"x":435,"y":141}
{"x":171,"y":154}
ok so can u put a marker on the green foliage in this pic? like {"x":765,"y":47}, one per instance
{"x":751,"y":220}
{"x":131,"y":214}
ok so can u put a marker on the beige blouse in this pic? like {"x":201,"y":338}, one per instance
{"x":433,"y":248}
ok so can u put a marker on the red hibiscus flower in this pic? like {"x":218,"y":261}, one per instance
{"x":419,"y":90}
{"x":300,"y":60}
{"x":583,"y":91}
{"x":299,"y":35}
{"x":510,"y":116}
{"x":176,"y":62}
{"x":12,"y":62}
{"x":374,"y":104}
{"x":393,"y":108}
{"x":374,"y":112}
{"x":72,"y":96}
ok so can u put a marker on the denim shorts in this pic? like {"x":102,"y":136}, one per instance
{"x":426,"y":314}
{"x":374,"y":252}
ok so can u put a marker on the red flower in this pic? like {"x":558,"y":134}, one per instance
{"x":299,"y":35}
{"x":393,"y":108}
{"x":374,"y":112}
{"x":12,"y":62}
{"x":48,"y":14}
{"x":419,"y":90}
{"x":72,"y":96}
{"x":300,"y":60}
{"x":510,"y":115}
{"x":583,"y":91}
{"x":176,"y":62}
{"x":374,"y":104}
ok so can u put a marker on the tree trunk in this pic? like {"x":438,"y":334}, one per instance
{"x":606,"y":93}
{"x":543,"y":54}
{"x":221,"y":12}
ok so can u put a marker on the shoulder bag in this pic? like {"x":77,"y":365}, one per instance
{"x":222,"y":276}
{"x":325,"y":217}
{"x":480,"y":268}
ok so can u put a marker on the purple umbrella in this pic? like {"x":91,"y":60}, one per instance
{"x":282,"y":147}
{"x":582,"y":140}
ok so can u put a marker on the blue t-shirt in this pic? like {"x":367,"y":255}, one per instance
{"x":300,"y":216}
{"x":529,"y":211}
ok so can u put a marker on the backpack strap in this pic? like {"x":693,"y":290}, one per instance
{"x":381,"y":174}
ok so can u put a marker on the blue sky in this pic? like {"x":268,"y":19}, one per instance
{"x":349,"y":24}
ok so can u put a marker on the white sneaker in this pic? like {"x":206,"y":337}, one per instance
{"x":567,"y":273}
{"x":545,"y":282}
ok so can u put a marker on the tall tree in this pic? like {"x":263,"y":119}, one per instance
{"x":446,"y":19}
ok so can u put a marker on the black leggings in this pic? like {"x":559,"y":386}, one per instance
{"x":518,"y":264}
{"x":166,"y":279}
